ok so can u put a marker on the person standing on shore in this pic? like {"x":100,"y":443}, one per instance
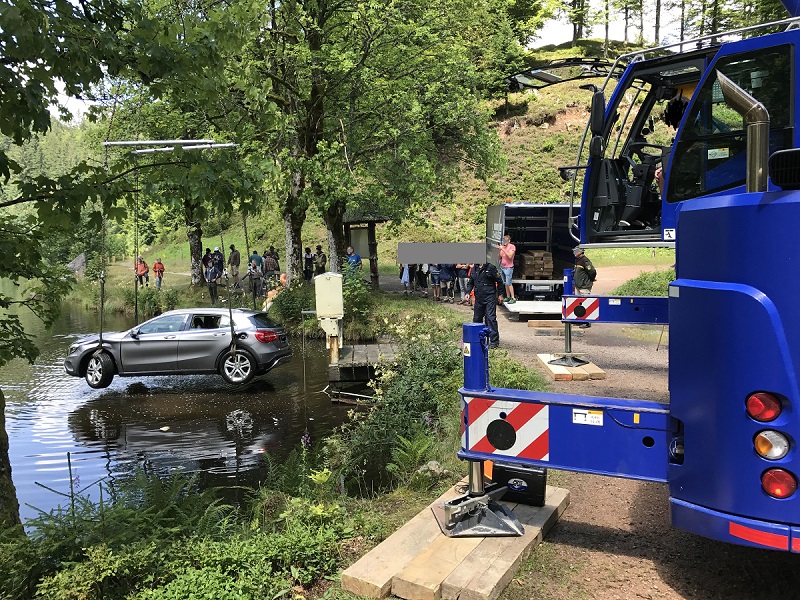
{"x":158,"y":271}
{"x":506,"y":252}
{"x":584,"y":276}
{"x":320,"y":261}
{"x":488,"y":286}
{"x":142,"y":272}
{"x":234,"y":260}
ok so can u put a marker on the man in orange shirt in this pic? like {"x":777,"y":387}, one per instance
{"x":142,"y":271}
{"x":158,"y":271}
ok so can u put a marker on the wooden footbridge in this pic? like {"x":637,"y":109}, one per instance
{"x":358,"y":362}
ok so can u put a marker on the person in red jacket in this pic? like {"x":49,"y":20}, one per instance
{"x":142,"y":271}
{"x":158,"y":271}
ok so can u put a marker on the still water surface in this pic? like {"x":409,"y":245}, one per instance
{"x":197,"y":423}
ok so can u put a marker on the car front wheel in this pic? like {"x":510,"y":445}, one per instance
{"x":237,"y":368}
{"x":100,"y":371}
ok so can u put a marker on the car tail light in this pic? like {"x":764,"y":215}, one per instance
{"x":772,"y":445}
{"x":763,"y":407}
{"x":779,"y":483}
{"x":266,"y":336}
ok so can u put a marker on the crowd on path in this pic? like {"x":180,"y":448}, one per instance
{"x":484,"y":286}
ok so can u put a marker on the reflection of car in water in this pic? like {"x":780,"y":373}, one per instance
{"x":184,"y":341}
{"x":195,"y":432}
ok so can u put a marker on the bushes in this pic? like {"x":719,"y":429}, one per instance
{"x":164,"y":539}
{"x":647,"y":284}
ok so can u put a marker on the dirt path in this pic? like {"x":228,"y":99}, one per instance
{"x":615,"y":540}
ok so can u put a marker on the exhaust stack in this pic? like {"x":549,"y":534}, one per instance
{"x":756,"y":116}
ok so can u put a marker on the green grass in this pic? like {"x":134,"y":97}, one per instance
{"x":619,"y":257}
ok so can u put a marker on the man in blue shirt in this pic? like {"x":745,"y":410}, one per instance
{"x":353,"y":259}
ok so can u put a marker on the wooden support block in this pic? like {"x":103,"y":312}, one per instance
{"x":372,"y":574}
{"x":556,"y":324}
{"x":422,"y":578}
{"x":557,"y":372}
{"x":578,"y":373}
{"x":594,"y":371}
{"x":492,"y":565}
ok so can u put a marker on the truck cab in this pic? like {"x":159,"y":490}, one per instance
{"x":662,"y":109}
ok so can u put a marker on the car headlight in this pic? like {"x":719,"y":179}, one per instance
{"x":73,"y":348}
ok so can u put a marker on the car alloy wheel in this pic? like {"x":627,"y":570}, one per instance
{"x":100,"y":371}
{"x":238,"y":368}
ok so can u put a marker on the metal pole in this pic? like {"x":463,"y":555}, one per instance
{"x":476,"y":487}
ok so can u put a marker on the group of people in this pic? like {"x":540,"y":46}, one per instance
{"x":483,"y":287}
{"x":142,"y":272}
{"x":314,"y":263}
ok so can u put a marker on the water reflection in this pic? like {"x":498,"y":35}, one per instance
{"x":195,"y":423}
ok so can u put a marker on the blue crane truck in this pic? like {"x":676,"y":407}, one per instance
{"x":692,"y":146}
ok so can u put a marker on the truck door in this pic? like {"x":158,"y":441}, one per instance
{"x":622,"y":203}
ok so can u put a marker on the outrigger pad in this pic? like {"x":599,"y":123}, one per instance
{"x":568,"y":361}
{"x":488,"y":520}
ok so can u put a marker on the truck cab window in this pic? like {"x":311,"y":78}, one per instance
{"x":710,"y":155}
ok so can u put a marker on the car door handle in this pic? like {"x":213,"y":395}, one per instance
{"x":170,"y":337}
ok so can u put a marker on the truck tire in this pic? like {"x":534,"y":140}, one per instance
{"x":99,"y":371}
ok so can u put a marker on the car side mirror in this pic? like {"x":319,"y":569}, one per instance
{"x":135,"y":333}
{"x":597,"y":113}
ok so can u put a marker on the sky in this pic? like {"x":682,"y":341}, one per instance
{"x":559,"y":31}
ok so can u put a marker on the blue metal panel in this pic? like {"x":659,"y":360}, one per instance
{"x":730,"y":528}
{"x":734,"y":330}
{"x":615,"y":309}
{"x":606,"y":436}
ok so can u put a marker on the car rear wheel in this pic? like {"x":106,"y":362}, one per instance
{"x":99,"y":371}
{"x":237,"y":368}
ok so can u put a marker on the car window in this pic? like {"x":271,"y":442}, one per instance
{"x":166,"y":324}
{"x":262,"y":320}
{"x":209,"y":322}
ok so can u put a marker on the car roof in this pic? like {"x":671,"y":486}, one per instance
{"x":210,"y":310}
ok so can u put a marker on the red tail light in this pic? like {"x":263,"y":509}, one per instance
{"x":763,"y":407}
{"x":779,"y":483}
{"x":266,"y":336}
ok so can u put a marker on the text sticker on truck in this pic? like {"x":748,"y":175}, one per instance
{"x":582,"y":416}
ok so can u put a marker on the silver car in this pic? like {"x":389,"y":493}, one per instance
{"x":184,"y":341}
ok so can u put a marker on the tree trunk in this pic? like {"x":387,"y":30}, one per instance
{"x":606,"y":18}
{"x":194,"y":231}
{"x":658,"y":22}
{"x":294,"y":215}
{"x":627,"y":17}
{"x":334,"y":225}
{"x":9,"y":505}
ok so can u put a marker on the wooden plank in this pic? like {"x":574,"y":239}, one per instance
{"x":422,"y":578}
{"x":557,"y":372}
{"x":594,"y":371}
{"x":554,"y":323}
{"x":490,"y":581}
{"x":345,"y":355}
{"x":359,"y":355}
{"x":373,"y":354}
{"x":578,"y":374}
{"x":372,"y":574}
{"x":387,"y":352}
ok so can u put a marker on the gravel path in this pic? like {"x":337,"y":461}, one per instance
{"x":615,"y":540}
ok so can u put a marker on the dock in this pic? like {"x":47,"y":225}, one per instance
{"x":358,"y":362}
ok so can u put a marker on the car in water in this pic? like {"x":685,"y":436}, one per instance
{"x":181,"y":342}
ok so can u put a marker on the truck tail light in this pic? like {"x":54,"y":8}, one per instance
{"x":265,"y":336}
{"x":763,"y":407}
{"x":772,"y":445}
{"x":779,"y":483}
